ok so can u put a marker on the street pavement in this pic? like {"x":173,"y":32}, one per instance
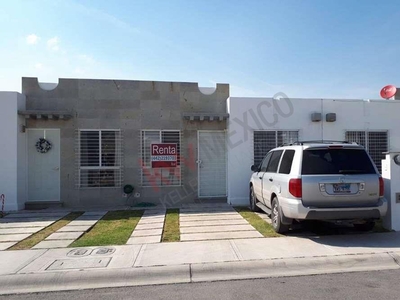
{"x":197,"y":261}
{"x":360,"y":285}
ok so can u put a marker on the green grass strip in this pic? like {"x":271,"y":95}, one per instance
{"x":171,"y":231}
{"x":115,"y":228}
{"x":37,"y":237}
{"x":257,"y":222}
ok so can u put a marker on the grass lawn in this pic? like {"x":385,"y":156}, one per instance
{"x":171,"y":227}
{"x":115,"y":228}
{"x":41,"y":235}
{"x":258,"y":223}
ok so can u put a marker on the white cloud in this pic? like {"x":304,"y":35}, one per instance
{"x":32,"y":39}
{"x":53,"y":44}
{"x":38,"y":65}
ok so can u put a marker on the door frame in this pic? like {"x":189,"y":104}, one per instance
{"x":198,"y":165}
{"x":27,"y":163}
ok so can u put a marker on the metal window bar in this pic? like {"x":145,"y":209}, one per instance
{"x":99,"y":158}
{"x":159,"y":177}
{"x":375,"y":142}
{"x":264,"y":141}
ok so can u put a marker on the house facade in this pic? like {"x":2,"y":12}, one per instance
{"x":78,"y":143}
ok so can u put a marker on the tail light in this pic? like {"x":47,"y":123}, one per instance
{"x":381,"y":187}
{"x":295,"y":187}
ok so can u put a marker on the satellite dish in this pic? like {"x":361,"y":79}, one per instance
{"x":388,"y":91}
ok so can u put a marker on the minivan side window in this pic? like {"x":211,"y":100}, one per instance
{"x":264,"y":164}
{"x":287,"y":160}
{"x":274,"y":161}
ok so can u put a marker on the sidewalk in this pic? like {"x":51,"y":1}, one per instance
{"x":128,"y":265}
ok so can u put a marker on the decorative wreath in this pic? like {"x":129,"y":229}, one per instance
{"x":43,"y":145}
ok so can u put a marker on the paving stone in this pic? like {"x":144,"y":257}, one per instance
{"x":151,"y":221}
{"x":64,"y":236}
{"x":213,"y":223}
{"x":220,"y":235}
{"x":70,"y":228}
{"x":82,"y":223}
{"x":230,"y":228}
{"x":13,"y":237}
{"x":148,"y":232}
{"x":211,"y":217}
{"x":88,"y":218}
{"x":188,"y":214}
{"x":144,"y":240}
{"x":53,"y":244}
{"x":149,"y":226}
{"x":95,"y":213}
{"x":6,"y":245}
{"x":26,"y":224}
{"x":35,"y":215}
{"x":19,"y":220}
{"x":154,"y":213}
{"x":20,"y":230}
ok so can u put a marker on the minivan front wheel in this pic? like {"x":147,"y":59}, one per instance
{"x":276,"y":218}
{"x":253,"y":201}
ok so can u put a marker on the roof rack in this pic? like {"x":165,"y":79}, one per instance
{"x":317,"y":142}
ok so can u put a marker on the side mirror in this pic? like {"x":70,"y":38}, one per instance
{"x":254,"y":168}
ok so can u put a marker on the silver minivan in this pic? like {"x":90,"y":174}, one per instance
{"x":318,"y":181}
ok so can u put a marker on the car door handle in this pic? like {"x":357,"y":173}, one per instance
{"x":260,"y":177}
{"x":271,"y":179}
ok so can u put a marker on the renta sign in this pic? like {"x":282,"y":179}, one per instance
{"x":164,"y":155}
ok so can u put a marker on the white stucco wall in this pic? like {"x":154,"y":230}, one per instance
{"x":9,"y":134}
{"x":21,"y":155}
{"x":249,"y":114}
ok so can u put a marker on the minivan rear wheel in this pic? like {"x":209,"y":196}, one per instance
{"x":253,"y":201}
{"x":276,"y":218}
{"x":367,"y":226}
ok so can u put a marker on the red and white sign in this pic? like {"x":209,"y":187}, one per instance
{"x":164,"y":155}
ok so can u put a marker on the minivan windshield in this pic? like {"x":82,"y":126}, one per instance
{"x":336,"y":161}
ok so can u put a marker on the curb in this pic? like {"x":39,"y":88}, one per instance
{"x":139,"y":276}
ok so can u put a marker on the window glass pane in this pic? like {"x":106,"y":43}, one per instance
{"x":89,"y":149}
{"x":264,"y":141}
{"x":377,"y":145}
{"x":287,"y":137}
{"x":265,"y":162}
{"x":274,"y":162}
{"x":336,"y":161}
{"x":108,"y":149}
{"x":287,"y":160}
{"x":148,"y":138}
{"x":172,"y":137}
{"x":99,"y":178}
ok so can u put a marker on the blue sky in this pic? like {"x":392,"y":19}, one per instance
{"x":323,"y":49}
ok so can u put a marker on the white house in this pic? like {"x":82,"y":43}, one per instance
{"x":258,"y":124}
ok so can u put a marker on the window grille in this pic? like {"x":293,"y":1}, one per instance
{"x":99,"y":158}
{"x":264,"y":141}
{"x":375,"y":142}
{"x":157,"y":177}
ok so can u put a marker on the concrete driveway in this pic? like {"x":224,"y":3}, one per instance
{"x":203,"y":222}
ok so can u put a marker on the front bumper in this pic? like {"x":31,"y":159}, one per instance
{"x":294,"y":209}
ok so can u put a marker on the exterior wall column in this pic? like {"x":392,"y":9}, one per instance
{"x":391,"y":177}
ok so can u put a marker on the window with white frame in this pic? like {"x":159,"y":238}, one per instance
{"x":375,"y":142}
{"x":264,"y":141}
{"x":100,"y":158}
{"x":160,"y":176}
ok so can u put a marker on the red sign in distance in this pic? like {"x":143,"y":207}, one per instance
{"x":388,"y":91}
{"x":164,"y":155}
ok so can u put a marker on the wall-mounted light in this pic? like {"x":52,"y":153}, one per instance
{"x":316,"y":117}
{"x":23,"y":128}
{"x":396,"y":159}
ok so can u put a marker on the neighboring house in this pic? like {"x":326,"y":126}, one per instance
{"x":257,"y":125}
{"x":100,"y":132}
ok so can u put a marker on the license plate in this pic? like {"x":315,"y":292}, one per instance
{"x":341,"y":188}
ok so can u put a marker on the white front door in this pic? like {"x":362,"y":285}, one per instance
{"x":212,"y":163}
{"x":43,"y":168}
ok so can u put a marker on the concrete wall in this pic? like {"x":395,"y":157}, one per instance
{"x":12,"y":177}
{"x":249,"y":114}
{"x":22,"y":170}
{"x":130,"y":106}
